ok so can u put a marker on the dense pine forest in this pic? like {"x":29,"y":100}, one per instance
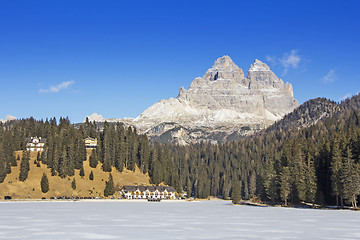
{"x":312,"y":155}
{"x":64,"y":152}
{"x":291,"y":162}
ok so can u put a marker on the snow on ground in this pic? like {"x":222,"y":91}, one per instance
{"x":171,"y":220}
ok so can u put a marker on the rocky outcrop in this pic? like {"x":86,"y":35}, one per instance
{"x":8,"y":119}
{"x":222,"y":104}
{"x":95,"y":117}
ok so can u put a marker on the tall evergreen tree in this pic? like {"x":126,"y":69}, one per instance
{"x":93,"y":161}
{"x":24,"y":166}
{"x":336,"y":171}
{"x":109,"y":187}
{"x":351,"y":178}
{"x":73,"y":184}
{"x":285,"y":185}
{"x":236,"y":193}
{"x":82,"y":172}
{"x":44,"y":183}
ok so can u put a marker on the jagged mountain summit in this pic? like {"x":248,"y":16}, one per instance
{"x":8,"y":119}
{"x":222,"y":105}
{"x":95,"y":117}
{"x":219,"y":104}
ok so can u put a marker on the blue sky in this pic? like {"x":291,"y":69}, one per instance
{"x":116,"y":58}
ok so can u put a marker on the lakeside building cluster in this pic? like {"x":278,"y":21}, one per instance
{"x":148,"y":192}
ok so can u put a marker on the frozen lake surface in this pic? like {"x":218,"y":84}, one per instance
{"x":171,"y":220}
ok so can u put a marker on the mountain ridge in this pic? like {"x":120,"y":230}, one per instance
{"x":219,"y":104}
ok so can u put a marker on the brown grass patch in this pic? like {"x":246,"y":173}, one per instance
{"x":62,"y":186}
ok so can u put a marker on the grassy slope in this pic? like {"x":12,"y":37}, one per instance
{"x":62,"y":187}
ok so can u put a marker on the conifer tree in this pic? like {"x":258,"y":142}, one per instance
{"x":270,"y":182}
{"x":109,"y":187}
{"x":91,"y":176}
{"x":252,"y":184}
{"x":285,"y":184}
{"x":38,"y":156}
{"x":44,"y":183}
{"x":311,"y":180}
{"x":82,"y":172}
{"x":24,"y":166}
{"x":93,"y":161}
{"x":14,"y":161}
{"x":8,"y":167}
{"x":336,"y":172}
{"x":2,"y":164}
{"x":236,"y":193}
{"x":73,"y":184}
{"x":351,"y":179}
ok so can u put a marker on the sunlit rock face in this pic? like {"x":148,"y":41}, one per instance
{"x":222,"y":105}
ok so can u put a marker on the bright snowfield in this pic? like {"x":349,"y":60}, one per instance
{"x":171,"y":220}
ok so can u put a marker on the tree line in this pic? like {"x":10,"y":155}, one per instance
{"x":314,"y":163}
{"x":118,"y":147}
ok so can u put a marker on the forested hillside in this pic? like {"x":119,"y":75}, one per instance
{"x":312,"y":156}
{"x":119,"y":148}
{"x":316,"y":164}
{"x":306,"y":115}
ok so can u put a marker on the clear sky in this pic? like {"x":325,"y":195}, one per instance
{"x":73,"y":58}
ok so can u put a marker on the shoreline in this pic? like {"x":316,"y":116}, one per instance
{"x":243,"y":203}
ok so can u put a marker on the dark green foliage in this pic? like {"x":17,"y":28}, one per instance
{"x":91,"y":176}
{"x":2,"y":164}
{"x":44,"y":183}
{"x":118,"y":146}
{"x":73,"y":184}
{"x":316,"y":164}
{"x":285,"y":184}
{"x":93,"y":162}
{"x":14,"y":161}
{"x":236,"y":193}
{"x":109,"y":187}
{"x":38,"y":157}
{"x":24,"y":166}
{"x":307,"y":157}
{"x":82,"y":172}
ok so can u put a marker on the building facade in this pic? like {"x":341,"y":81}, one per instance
{"x":90,"y":143}
{"x":148,"y":192}
{"x":35,"y":144}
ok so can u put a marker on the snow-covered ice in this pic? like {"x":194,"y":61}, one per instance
{"x":171,"y":220}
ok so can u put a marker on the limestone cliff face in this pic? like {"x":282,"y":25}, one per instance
{"x":221,"y":104}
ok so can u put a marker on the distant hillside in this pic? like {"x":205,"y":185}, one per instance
{"x":306,"y":114}
{"x":351,"y":103}
{"x":62,"y":186}
{"x":130,"y":158}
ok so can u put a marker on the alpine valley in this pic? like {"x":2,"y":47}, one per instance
{"x":222,"y":105}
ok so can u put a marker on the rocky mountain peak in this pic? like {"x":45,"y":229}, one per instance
{"x":224,"y":62}
{"x":224,"y":68}
{"x":219,"y":106}
{"x":259,"y":66}
{"x":8,"y":118}
{"x":261,"y":76}
{"x":95,"y":117}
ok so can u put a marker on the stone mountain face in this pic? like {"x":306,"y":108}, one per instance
{"x":221,"y":105}
{"x":8,"y":119}
{"x":95,"y":117}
